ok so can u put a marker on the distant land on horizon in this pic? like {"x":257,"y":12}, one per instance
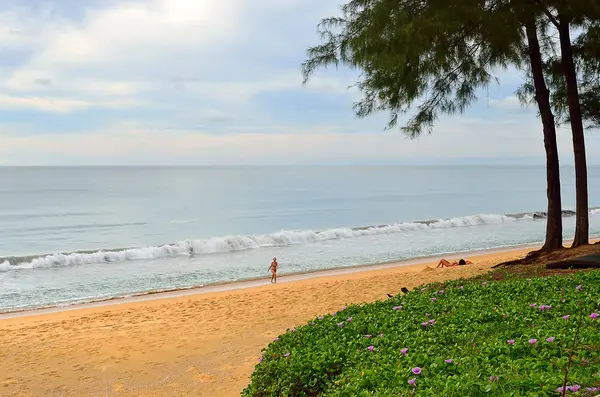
{"x":474,"y":161}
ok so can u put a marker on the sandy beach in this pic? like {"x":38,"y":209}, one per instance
{"x":205,"y":344}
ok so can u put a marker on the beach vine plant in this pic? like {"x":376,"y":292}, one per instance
{"x":518,"y":337}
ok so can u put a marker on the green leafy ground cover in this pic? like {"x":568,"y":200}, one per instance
{"x":460,"y":338}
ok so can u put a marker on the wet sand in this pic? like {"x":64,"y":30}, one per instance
{"x":188,"y":343}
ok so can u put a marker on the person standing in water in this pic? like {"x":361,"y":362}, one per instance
{"x":273,"y":269}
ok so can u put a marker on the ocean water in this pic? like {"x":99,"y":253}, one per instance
{"x":79,"y":234}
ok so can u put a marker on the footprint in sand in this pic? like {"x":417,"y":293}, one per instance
{"x":205,"y":378}
{"x":201,"y":377}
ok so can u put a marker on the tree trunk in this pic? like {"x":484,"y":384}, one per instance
{"x":581,"y":182}
{"x":542,"y":96}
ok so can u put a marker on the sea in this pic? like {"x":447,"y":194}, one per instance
{"x":81,"y":234}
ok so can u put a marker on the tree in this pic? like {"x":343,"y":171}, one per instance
{"x":542,"y":97}
{"x":437,"y":54}
{"x":566,"y":14}
{"x":586,"y":51}
{"x":575,"y":100}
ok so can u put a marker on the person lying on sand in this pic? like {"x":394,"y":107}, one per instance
{"x":273,"y":269}
{"x":445,"y":263}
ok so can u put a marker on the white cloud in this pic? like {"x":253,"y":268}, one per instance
{"x":203,"y":47}
{"x":116,"y":49}
{"x":506,"y":103}
{"x":134,"y":31}
{"x":59,"y":105}
{"x":454,"y":138}
{"x":241,"y":92}
{"x":200,"y":65}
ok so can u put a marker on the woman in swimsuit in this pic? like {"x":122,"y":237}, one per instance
{"x":273,"y":269}
{"x":445,"y":263}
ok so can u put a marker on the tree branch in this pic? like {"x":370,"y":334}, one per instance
{"x":552,"y":18}
{"x":547,"y":12}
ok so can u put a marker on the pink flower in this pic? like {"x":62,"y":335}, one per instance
{"x":425,"y":324}
{"x":566,"y":317}
{"x":397,"y":308}
{"x":341,"y":324}
{"x":349,"y":319}
{"x":579,"y":287}
{"x":461,"y":287}
{"x":412,"y":381}
{"x":371,"y":348}
{"x":416,"y":370}
{"x":511,"y":341}
{"x":260,"y":359}
{"x":320,"y":317}
{"x":484,"y":283}
{"x":368,"y":336}
{"x":286,"y":355}
{"x":449,"y":361}
{"x":275,"y":340}
{"x":312,"y":323}
{"x":532,"y":305}
{"x":433,"y":299}
{"x":427,"y":314}
{"x":380,"y":336}
{"x":532,"y":341}
{"x":404,"y":351}
{"x":573,"y":388}
{"x":594,"y":316}
{"x":550,"y":339}
{"x":493,"y":378}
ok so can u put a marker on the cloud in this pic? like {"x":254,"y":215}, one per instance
{"x":215,"y":116}
{"x":130,"y":144}
{"x":209,"y":82}
{"x":42,"y":82}
{"x":507,"y":103}
{"x":58,"y":105}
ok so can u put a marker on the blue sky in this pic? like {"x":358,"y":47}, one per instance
{"x":215,"y":82}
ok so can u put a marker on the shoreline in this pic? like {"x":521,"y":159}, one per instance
{"x":248,"y":283}
{"x":194,"y":344}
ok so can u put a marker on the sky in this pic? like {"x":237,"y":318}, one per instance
{"x":217,"y":82}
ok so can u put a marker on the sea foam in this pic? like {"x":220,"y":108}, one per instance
{"x":282,"y":238}
{"x":240,"y":243}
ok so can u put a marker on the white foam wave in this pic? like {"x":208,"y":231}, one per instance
{"x":240,"y":243}
{"x":595,"y":211}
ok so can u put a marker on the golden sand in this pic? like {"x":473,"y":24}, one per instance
{"x":199,"y":345}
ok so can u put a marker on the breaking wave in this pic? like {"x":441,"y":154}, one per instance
{"x":239,"y":243}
